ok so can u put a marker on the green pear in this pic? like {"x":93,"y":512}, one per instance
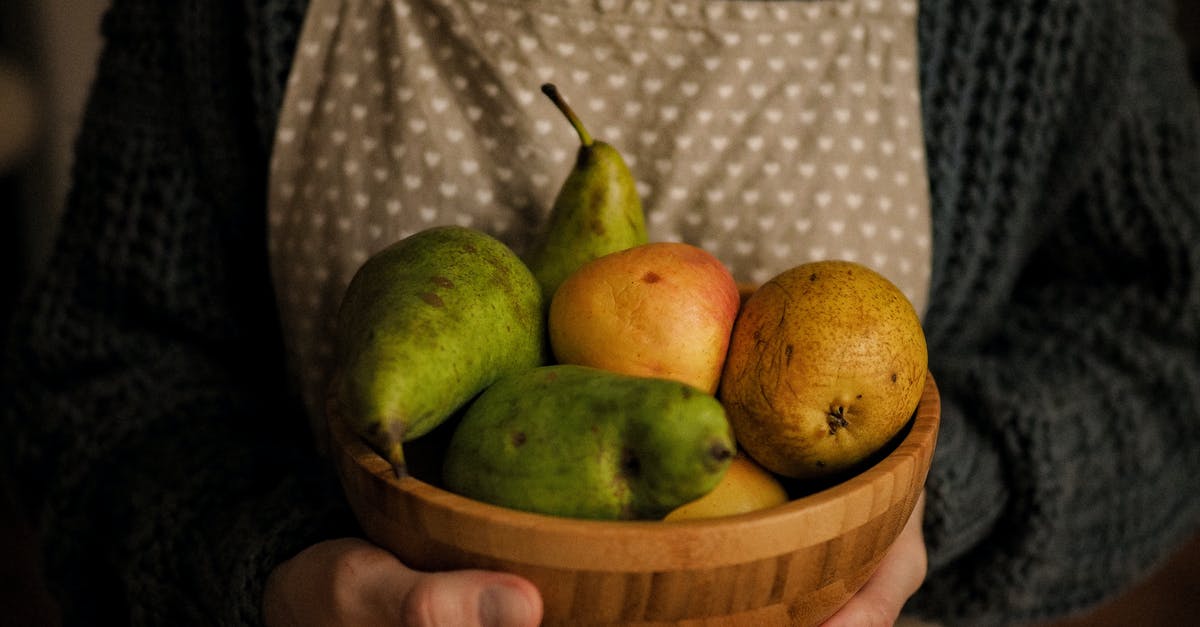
{"x":583,"y":442}
{"x":597,"y":210}
{"x":424,"y":325}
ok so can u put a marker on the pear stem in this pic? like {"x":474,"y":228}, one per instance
{"x":552,"y":92}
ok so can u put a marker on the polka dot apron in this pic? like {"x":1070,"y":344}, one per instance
{"x":768,"y":132}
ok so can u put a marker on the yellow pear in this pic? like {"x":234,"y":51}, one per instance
{"x":825,"y":365}
{"x":746,"y":487}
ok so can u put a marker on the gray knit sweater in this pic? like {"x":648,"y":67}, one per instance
{"x":158,"y":446}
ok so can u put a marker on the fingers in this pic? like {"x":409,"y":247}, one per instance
{"x":469,"y":597}
{"x":350,"y":581}
{"x":897,"y":578}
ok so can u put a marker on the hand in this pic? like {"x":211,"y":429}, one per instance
{"x":898,"y":576}
{"x":353,"y":582}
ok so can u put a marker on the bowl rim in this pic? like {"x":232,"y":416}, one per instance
{"x":728,"y":540}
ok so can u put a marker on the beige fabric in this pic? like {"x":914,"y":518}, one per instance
{"x":769,"y":133}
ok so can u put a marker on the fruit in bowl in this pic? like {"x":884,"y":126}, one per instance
{"x":559,"y":463}
{"x":587,"y":443}
{"x":746,"y":487}
{"x":426,"y":324}
{"x":826,"y":364}
{"x":662,"y":309}
{"x":792,"y":564}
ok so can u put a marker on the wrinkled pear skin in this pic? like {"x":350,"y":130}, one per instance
{"x":826,"y":364}
{"x":582,"y":442}
{"x":427,"y":323}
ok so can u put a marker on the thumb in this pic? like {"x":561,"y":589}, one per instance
{"x":468,"y":598}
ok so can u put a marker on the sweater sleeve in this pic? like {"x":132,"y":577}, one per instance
{"x":1065,"y":339}
{"x":156,"y":446}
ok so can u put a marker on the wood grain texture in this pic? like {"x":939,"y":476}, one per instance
{"x":790,"y":565}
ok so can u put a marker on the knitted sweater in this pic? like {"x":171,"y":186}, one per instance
{"x":169,"y":466}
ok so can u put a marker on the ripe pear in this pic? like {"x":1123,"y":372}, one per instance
{"x":662,"y":309}
{"x":586,"y":443}
{"x":746,"y":487}
{"x":597,"y":210}
{"x":826,"y":364}
{"x":424,"y":325}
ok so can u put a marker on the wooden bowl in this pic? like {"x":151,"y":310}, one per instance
{"x":794,"y":564}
